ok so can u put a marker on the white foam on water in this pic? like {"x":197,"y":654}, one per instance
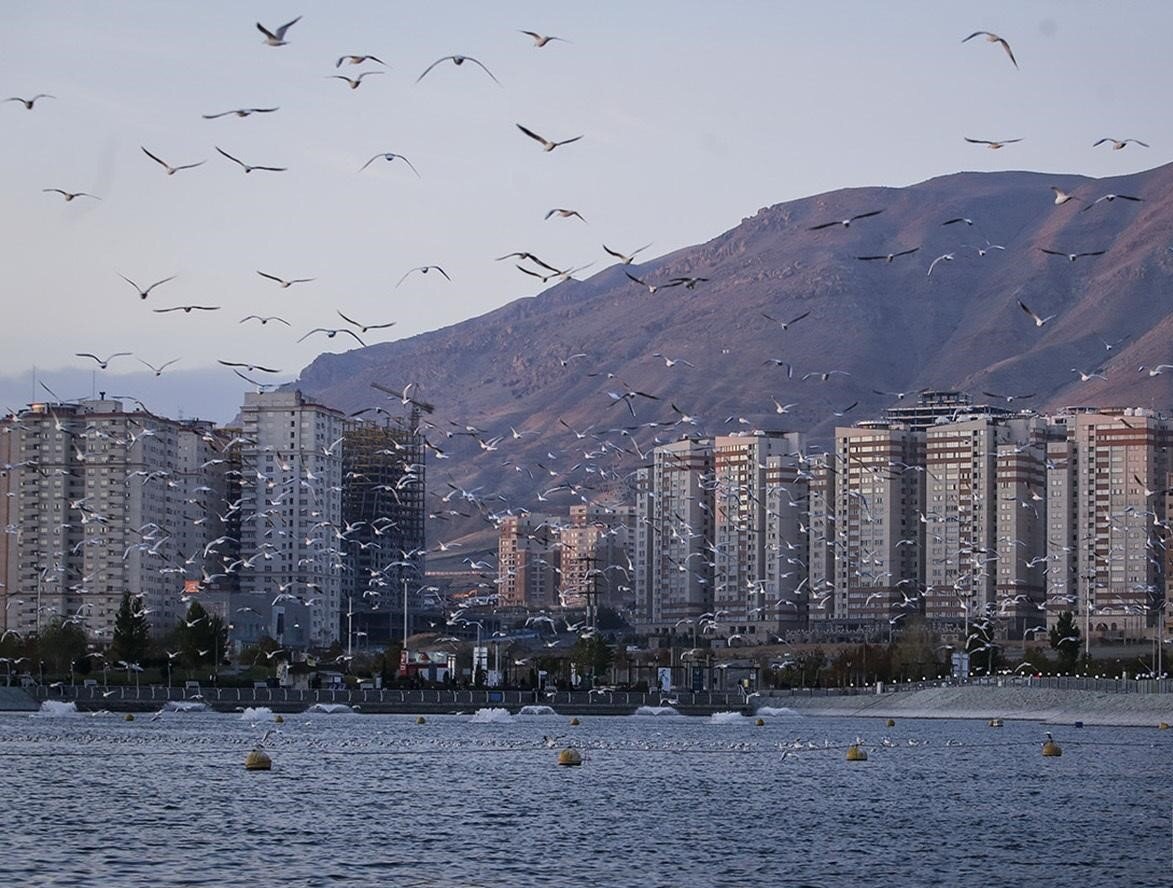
{"x":726,"y":718}
{"x":492,"y":716}
{"x":331,"y":708}
{"x":56,"y":709}
{"x":259,"y":713}
{"x":767,"y":711}
{"x":536,"y":710}
{"x":656,"y":711}
{"x":185,"y":706}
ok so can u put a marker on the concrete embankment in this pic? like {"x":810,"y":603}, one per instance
{"x":1048,"y":705}
{"x":16,"y":700}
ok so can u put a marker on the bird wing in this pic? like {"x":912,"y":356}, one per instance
{"x":348,"y":320}
{"x":532,"y":134}
{"x":214,"y":116}
{"x":285,"y":27}
{"x":634,"y":278}
{"x":608,"y":250}
{"x":225,"y":153}
{"x":906,"y":252}
{"x":152,"y":157}
{"x":823,"y":225}
{"x":271,"y":277}
{"x":311,"y":333}
{"x":431,"y":66}
{"x":1053,"y":252}
{"x":266,"y":32}
{"x":355,"y":335}
{"x":1100,"y":142}
{"x":1006,"y":46}
{"x":486,"y":70}
{"x":865,"y":215}
{"x":978,"y":141}
{"x":369,"y":162}
{"x":976,"y":34}
{"x":1094,"y":253}
{"x":797,"y":319}
{"x":568,"y":141}
{"x":442,"y":271}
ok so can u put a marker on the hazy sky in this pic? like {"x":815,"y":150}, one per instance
{"x":694,"y":115}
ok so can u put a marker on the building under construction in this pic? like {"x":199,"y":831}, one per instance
{"x":383,"y":519}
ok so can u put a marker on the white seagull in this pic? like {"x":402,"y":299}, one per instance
{"x":541,"y":40}
{"x":1061,"y":196}
{"x":993,"y":38}
{"x":546,"y":143}
{"x":458,"y":60}
{"x":277,"y":38}
{"x":1117,"y":144}
{"x":70,"y":195}
{"x":1038,"y":321}
{"x":991,"y":144}
{"x":247,"y":167}
{"x":28,"y":103}
{"x":143,"y":294}
{"x":240,"y":112}
{"x":355,"y":82}
{"x":171,"y":170}
{"x":390,"y":156}
{"x":285,"y":284}
{"x":624,"y":258}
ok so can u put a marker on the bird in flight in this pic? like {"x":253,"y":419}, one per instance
{"x":285,"y":284}
{"x":363,"y":328}
{"x":993,"y":38}
{"x":564,"y":213}
{"x":1039,"y":322}
{"x":1061,"y":196}
{"x":457,"y":60}
{"x":846,"y":223}
{"x":625,"y":259}
{"x":143,"y":294}
{"x":187,"y":309}
{"x":355,"y":82}
{"x":265,"y":320}
{"x":1110,"y":198}
{"x":786,"y":325}
{"x":246,"y":167}
{"x":651,"y":288}
{"x":240,"y":112}
{"x":277,"y":38}
{"x":423,"y":269}
{"x":944,"y":257}
{"x":171,"y":170}
{"x":541,"y":40}
{"x":249,"y":367}
{"x":1071,"y":257}
{"x":332,"y":333}
{"x":389,"y":156}
{"x":888,"y":257}
{"x":106,"y":362}
{"x":358,"y":60}
{"x":1009,"y":399}
{"x":28,"y":103}
{"x":1117,"y":144}
{"x":1086,"y":375}
{"x":989,"y":144}
{"x":70,"y":195}
{"x":158,"y":370}
{"x":546,"y":143}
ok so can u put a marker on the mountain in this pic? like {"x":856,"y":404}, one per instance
{"x":890,"y":325}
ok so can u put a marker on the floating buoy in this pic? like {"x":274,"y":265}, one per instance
{"x":760,"y":722}
{"x":1164,"y":726}
{"x":995,"y":723}
{"x":1051,"y":749}
{"x":128,"y":717}
{"x":1079,"y":724}
{"x":575,"y":721}
{"x":258,"y":760}
{"x":856,"y":753}
{"x":891,"y":722}
{"x":569,"y":757}
{"x":279,"y":720}
{"x":420,"y":720}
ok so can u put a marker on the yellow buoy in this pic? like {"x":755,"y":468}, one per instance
{"x":420,"y":720}
{"x":258,"y":760}
{"x":1051,"y":748}
{"x":760,"y":722}
{"x":856,"y":753}
{"x":891,"y":722}
{"x":1164,"y":726}
{"x":575,"y":721}
{"x":279,"y":720}
{"x":569,"y":757}
{"x":128,"y":717}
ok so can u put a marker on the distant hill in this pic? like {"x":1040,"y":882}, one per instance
{"x":890,"y":325}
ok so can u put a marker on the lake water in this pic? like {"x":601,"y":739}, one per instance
{"x":477,"y":800}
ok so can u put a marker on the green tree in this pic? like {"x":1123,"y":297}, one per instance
{"x":914,"y":653}
{"x":592,"y":656}
{"x":982,"y":649}
{"x":131,"y":632}
{"x":1065,"y":640}
{"x":59,"y":644}
{"x":202,"y":637}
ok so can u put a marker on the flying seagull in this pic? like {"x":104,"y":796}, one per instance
{"x":246,"y":167}
{"x":1038,"y":321}
{"x":265,"y":320}
{"x":944,"y":257}
{"x":277,"y":38}
{"x":1008,"y":398}
{"x":457,"y":60}
{"x":187,"y":309}
{"x":989,"y":144}
{"x":158,"y":370}
{"x":993,"y":38}
{"x":355,"y":82}
{"x":625,"y":259}
{"x":541,"y":40}
{"x":423,"y":269}
{"x":1086,"y":375}
{"x":1071,"y":257}
{"x":28,"y":103}
{"x":171,"y":170}
{"x":846,"y":223}
{"x":143,"y":294}
{"x":285,"y":284}
{"x":103,"y":363}
{"x":652,"y":288}
{"x":1061,"y":196}
{"x":1117,"y":144}
{"x":564,"y":213}
{"x":546,"y":143}
{"x":249,"y":367}
{"x":888,"y":257}
{"x":332,"y":333}
{"x":70,"y":195}
{"x":389,"y":156}
{"x":363,"y":328}
{"x":358,"y":60}
{"x":786,"y":325}
{"x":240,"y":112}
{"x":1110,"y":198}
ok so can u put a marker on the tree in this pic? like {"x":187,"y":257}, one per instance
{"x":131,"y":632}
{"x":914,"y":653}
{"x":592,"y":656}
{"x":981,"y":647}
{"x":1065,"y":640}
{"x":59,"y":644}
{"x":202,"y":637}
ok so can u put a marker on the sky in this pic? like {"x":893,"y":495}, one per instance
{"x":693,"y":115}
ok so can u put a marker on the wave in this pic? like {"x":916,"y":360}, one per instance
{"x":536,"y":710}
{"x":656,"y":711}
{"x":185,"y":706}
{"x":766,"y":711}
{"x":331,"y":708}
{"x":492,"y":716}
{"x":726,"y":718}
{"x":56,"y":709}
{"x":259,"y":713}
